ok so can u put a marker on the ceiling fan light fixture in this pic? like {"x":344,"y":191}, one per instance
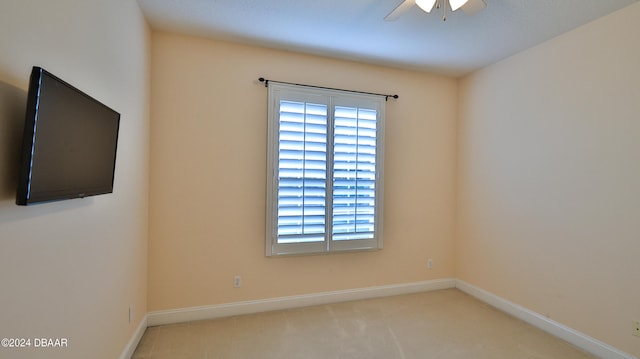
{"x":426,"y":5}
{"x":456,"y":4}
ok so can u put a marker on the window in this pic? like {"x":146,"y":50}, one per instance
{"x":324,"y":170}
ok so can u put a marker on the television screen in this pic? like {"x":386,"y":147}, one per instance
{"x":69,"y":143}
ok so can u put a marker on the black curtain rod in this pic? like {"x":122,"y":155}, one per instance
{"x":386,"y":97}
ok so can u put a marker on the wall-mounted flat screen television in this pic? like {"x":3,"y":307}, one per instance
{"x":69,"y":143}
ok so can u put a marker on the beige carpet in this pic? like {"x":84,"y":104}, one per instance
{"x":442,"y":324}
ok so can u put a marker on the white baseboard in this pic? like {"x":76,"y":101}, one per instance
{"x":265,"y":305}
{"x":127,"y":353}
{"x":552,"y":327}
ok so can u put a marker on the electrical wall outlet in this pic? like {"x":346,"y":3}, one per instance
{"x":636,"y":328}
{"x":237,"y":281}
{"x":430,"y":263}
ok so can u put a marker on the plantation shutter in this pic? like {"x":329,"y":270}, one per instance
{"x":302,"y":172}
{"x":324,"y":186}
{"x":354,"y":173}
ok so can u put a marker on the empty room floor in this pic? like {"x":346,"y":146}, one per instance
{"x":441,"y":324}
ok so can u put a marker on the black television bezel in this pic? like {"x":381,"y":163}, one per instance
{"x":23,"y":195}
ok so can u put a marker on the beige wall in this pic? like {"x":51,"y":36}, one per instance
{"x":549,"y":175}
{"x":208,"y":160}
{"x":71,"y":269}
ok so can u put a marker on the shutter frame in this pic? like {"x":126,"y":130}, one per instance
{"x":361,"y":181}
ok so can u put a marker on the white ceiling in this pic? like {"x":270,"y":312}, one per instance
{"x":355,"y":29}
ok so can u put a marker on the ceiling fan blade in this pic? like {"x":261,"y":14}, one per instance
{"x":399,"y":10}
{"x":473,"y":7}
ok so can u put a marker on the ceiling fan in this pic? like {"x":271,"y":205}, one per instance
{"x":469,"y":7}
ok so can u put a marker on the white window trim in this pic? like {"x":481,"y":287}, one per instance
{"x":279,"y":91}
